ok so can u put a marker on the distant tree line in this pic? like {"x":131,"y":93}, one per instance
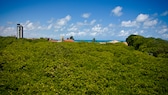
{"x":153,"y":46}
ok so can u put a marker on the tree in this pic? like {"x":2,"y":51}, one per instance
{"x":71,"y":38}
{"x":135,"y":40}
{"x":156,"y":47}
{"x":93,"y":40}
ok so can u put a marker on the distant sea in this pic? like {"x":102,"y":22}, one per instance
{"x":96,"y":40}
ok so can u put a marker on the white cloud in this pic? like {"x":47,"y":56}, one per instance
{"x":83,"y":23}
{"x":7,"y":31}
{"x":141,"y":31}
{"x":117,"y":11}
{"x":129,"y":23}
{"x":79,"y":23}
{"x":49,"y":26}
{"x":68,"y":17}
{"x":165,"y":36}
{"x":86,"y":15}
{"x":123,"y":33}
{"x":111,"y":25}
{"x":163,"y":30}
{"x":60,"y":24}
{"x":62,"y":28}
{"x":164,"y":13}
{"x":73,"y":28}
{"x":135,"y":33}
{"x":30,"y":26}
{"x":86,"y":23}
{"x":73,"y":34}
{"x":93,"y":33}
{"x":93,"y":22}
{"x":63,"y":21}
{"x":81,"y":33}
{"x":1,"y":28}
{"x":149,"y":23}
{"x":96,"y":28}
{"x":34,"y":26}
{"x":142,"y":17}
{"x":105,"y":29}
{"x":31,"y":29}
{"x":40,"y":27}
{"x":51,"y":20}
{"x":86,"y":30}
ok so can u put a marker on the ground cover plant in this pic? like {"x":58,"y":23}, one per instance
{"x":42,"y":67}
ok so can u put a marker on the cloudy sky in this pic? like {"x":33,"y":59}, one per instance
{"x":85,"y":19}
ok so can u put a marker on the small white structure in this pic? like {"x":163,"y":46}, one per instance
{"x":102,"y":42}
{"x":62,"y":39}
{"x":114,"y":41}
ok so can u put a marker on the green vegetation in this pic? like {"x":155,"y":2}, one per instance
{"x":42,"y":67}
{"x":93,"y":40}
{"x":71,"y":37}
{"x":153,"y":46}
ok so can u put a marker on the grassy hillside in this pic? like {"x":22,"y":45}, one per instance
{"x":41,"y":67}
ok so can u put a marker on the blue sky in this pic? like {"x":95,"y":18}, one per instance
{"x":85,"y":19}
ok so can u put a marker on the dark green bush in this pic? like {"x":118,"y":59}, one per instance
{"x":153,"y":46}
